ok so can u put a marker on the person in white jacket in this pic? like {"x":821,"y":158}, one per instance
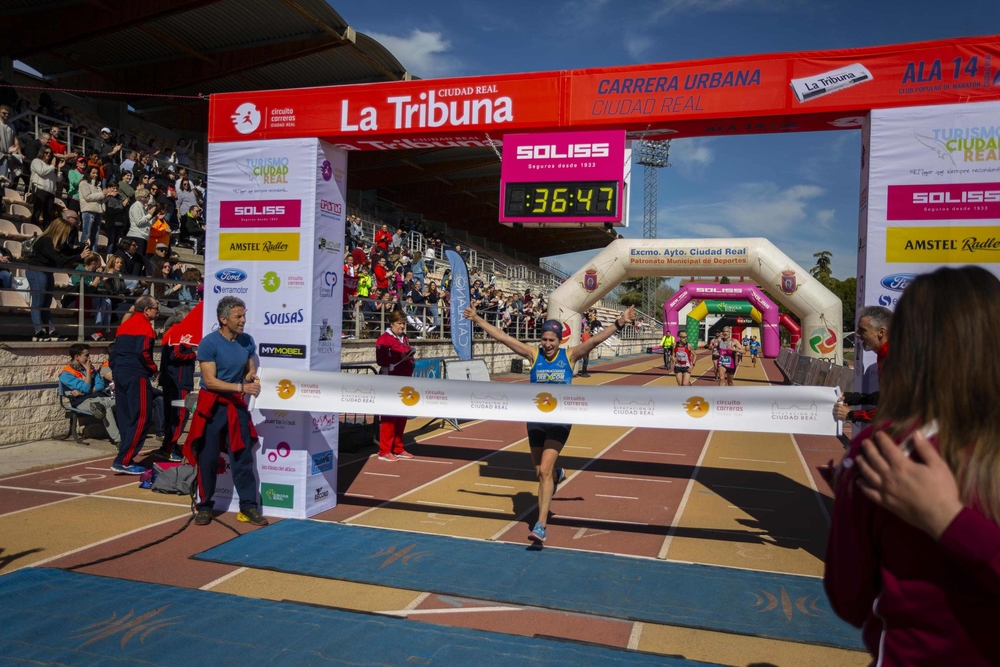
{"x":45,"y":175}
{"x":140,"y":219}
{"x":92,"y":198}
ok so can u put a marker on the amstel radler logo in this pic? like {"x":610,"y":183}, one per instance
{"x":285,"y":389}
{"x":409,"y":396}
{"x":696,"y":407}
{"x":546,"y":402}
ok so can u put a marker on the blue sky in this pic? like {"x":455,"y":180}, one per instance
{"x":799,"y":190}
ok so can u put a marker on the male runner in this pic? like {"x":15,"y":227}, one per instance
{"x":667,"y":343}
{"x":683,"y":360}
{"x":754,"y":350}
{"x":550,"y":364}
{"x":727,"y":356}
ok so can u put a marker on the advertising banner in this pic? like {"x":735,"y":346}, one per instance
{"x":785,"y":409}
{"x":563,"y":177}
{"x":274,"y":239}
{"x":784,"y":92}
{"x":461,"y":298}
{"x":932,"y":197}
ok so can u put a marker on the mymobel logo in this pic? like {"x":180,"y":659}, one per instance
{"x":247,"y":118}
{"x":556,"y":152}
{"x":260,"y":214}
{"x":279,"y":351}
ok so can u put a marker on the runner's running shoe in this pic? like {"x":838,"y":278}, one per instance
{"x":203,"y":518}
{"x":251,"y":516}
{"x":404,"y":455}
{"x":390,"y":457}
{"x":128,"y":470}
{"x":560,"y":474}
{"x":537,"y":533}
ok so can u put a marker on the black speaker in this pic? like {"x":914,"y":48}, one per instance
{"x":517,"y":365}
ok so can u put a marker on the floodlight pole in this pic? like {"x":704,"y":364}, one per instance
{"x":653,"y":155}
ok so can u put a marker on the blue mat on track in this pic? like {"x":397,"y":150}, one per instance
{"x":53,"y":617}
{"x":762,"y":604}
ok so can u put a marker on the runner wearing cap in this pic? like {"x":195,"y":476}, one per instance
{"x":550,"y":364}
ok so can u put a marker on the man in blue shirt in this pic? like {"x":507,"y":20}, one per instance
{"x":228,"y":373}
{"x":86,"y":389}
{"x":754,"y":350}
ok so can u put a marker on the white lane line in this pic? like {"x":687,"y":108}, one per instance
{"x":496,"y":486}
{"x":70,"y":465}
{"x":438,"y":432}
{"x":433,"y":481}
{"x":576,"y":447}
{"x":28,"y":509}
{"x":416,"y":602}
{"x":93,"y":468}
{"x":748,"y":488}
{"x":755,"y":509}
{"x":636,"y":479}
{"x":226,"y":577}
{"x":98,"y":543}
{"x":635,"y":636}
{"x":603,"y":495}
{"x":587,"y":518}
{"x":734,"y":532}
{"x":444,"y":463}
{"x":640,"y":451}
{"x":452,"y":610}
{"x":464,"y":507}
{"x":95,"y":494}
{"x":379,"y":474}
{"x":812,"y":482}
{"x":684,"y":500}
{"x":735,"y":458}
{"x":354,"y":495}
{"x":569,"y":478}
{"x":458,"y":437}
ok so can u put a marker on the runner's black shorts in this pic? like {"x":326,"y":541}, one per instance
{"x":682,"y":369}
{"x":539,"y":433}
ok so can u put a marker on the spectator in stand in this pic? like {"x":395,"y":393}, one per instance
{"x":419,"y":270}
{"x":140,"y":216}
{"x":193,"y":228}
{"x":383,"y":238}
{"x":133,"y":366}
{"x":5,"y":278}
{"x":395,"y":357}
{"x":45,"y":175}
{"x":116,"y":212}
{"x":107,"y":151}
{"x":381,"y":275}
{"x":913,"y":557}
{"x":73,"y":177}
{"x":397,"y":239}
{"x":133,"y":266}
{"x":189,"y":296}
{"x":431,"y":298}
{"x":30,"y":148}
{"x":128,"y":164}
{"x":350,"y":279}
{"x":183,"y":152}
{"x":10,"y":149}
{"x":429,"y":258}
{"x":51,"y":251}
{"x":92,"y":199}
{"x":160,"y":254}
{"x":114,"y":285}
{"x":159,"y":232}
{"x":186,"y":196}
{"x":364,"y":282}
{"x":87,"y":390}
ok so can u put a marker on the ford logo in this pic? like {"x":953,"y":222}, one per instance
{"x":230,"y":276}
{"x":897,"y":282}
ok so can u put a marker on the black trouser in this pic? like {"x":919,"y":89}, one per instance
{"x":583,"y":368}
{"x":133,"y":408}
{"x":666,"y":356}
{"x":44,"y":202}
{"x":241,"y":462}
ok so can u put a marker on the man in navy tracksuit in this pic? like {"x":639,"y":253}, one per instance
{"x":132,"y":364}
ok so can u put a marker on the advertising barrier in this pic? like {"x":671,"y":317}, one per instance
{"x":752,"y":409}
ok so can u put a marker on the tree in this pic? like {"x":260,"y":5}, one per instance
{"x":631,"y":293}
{"x":724,"y":280}
{"x":822,"y":271}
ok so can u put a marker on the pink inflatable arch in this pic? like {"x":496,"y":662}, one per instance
{"x":746,"y":292}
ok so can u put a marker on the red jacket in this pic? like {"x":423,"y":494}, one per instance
{"x":917,"y":601}
{"x":233,"y":403}
{"x":381,"y":277}
{"x":869,"y":415}
{"x":389,"y":350}
{"x":383,"y":239}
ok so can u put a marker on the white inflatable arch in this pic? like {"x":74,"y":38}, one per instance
{"x":819,"y":310}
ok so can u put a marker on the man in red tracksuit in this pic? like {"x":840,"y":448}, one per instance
{"x":177,"y":381}
{"x":133,"y":367}
{"x":873,"y":334}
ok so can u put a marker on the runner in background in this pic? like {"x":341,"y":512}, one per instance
{"x":728,"y":348}
{"x":683,"y":360}
{"x":714,"y":346}
{"x":754,"y":351}
{"x":667,"y":343}
{"x":550,"y":364}
{"x":584,"y":337}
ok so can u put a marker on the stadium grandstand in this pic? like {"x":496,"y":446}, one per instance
{"x":63,"y":86}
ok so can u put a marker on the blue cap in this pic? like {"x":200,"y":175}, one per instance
{"x":555,"y":326}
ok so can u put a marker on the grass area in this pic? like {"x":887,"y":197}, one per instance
{"x":849,"y":355}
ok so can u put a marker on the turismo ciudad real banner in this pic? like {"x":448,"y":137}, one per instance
{"x":785,"y":409}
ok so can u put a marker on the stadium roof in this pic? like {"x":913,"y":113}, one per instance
{"x":162,"y":54}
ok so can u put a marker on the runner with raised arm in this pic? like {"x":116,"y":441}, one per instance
{"x":728,"y":347}
{"x":550,"y":364}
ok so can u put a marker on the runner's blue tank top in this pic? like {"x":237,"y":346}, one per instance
{"x":557,"y":371}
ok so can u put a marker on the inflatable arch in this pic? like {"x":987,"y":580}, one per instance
{"x":818,"y":309}
{"x":766,"y":310}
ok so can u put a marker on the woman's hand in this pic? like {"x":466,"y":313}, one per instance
{"x":922,"y":493}
{"x":469,"y":314}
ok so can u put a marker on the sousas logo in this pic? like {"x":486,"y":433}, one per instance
{"x":552,"y":151}
{"x":292,"y":317}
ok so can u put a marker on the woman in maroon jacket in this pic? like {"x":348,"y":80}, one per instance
{"x":914,"y":552}
{"x":394,"y":354}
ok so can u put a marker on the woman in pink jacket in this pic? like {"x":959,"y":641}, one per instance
{"x":914,"y":551}
{"x":395,"y":356}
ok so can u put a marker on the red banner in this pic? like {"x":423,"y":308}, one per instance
{"x":740,"y":95}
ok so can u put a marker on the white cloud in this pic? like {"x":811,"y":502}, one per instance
{"x":671,"y":6}
{"x":638,"y":46}
{"x":750,"y":209}
{"x":691,"y":156}
{"x":825,"y":216}
{"x":422,"y":53}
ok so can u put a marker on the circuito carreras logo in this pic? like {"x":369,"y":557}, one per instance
{"x":247,"y":118}
{"x":285,"y":389}
{"x":409,"y":396}
{"x":696,"y":407}
{"x":271,"y":281}
{"x":546,"y":402}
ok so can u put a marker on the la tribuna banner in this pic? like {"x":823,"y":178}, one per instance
{"x":801,"y":91}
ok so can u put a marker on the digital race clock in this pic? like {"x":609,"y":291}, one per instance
{"x":564,"y":178}
{"x":569,"y":199}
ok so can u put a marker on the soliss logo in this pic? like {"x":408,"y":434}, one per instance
{"x":259,"y":210}
{"x":967,"y":197}
{"x":551,"y":151}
